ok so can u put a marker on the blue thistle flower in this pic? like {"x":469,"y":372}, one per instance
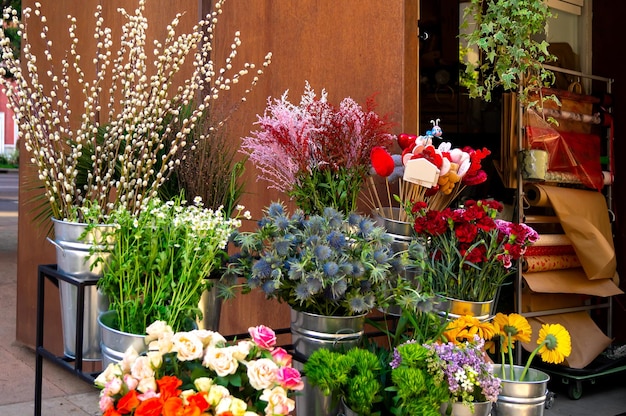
{"x":269,"y":287}
{"x":315,"y":225}
{"x":366,"y":227}
{"x":381,"y":256}
{"x":357,"y":304}
{"x":358,"y":269}
{"x":330,"y":268}
{"x":282,"y":246}
{"x":322,"y":252}
{"x":336,"y":290}
{"x":275,"y":209}
{"x":336,"y":240}
{"x":334,"y":217}
{"x":354,"y":219}
{"x":313,"y":240}
{"x":302,"y":292}
{"x":295,"y":270}
{"x":262,"y":269}
{"x":314,"y":286}
{"x":263,"y":222}
{"x":281,"y":223}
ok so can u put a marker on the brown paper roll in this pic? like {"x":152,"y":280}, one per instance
{"x":536,"y":195}
{"x":552,"y":240}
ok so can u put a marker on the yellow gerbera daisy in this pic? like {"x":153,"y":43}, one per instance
{"x":513,"y":326}
{"x":466,"y":327}
{"x":555,"y":342}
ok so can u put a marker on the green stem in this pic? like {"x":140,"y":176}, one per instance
{"x":530,"y":359}
{"x":512,"y":373}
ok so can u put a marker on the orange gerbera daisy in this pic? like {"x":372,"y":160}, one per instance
{"x":466,"y":327}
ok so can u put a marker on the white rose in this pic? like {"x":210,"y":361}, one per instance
{"x":187,"y":346}
{"x":221,"y":361}
{"x":147,"y":384}
{"x":130,"y":355}
{"x":203,"y":383}
{"x":242,"y":349}
{"x":237,"y":407}
{"x":277,"y":401}
{"x":262,"y":373}
{"x":141,"y":368}
{"x":112,"y":371}
{"x":216,"y":394}
{"x":209,"y":338}
{"x":163,"y":344}
{"x":223,"y":406}
{"x":155,"y":358}
{"x":156,"y":329}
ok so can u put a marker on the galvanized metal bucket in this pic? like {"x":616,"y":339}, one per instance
{"x":114,"y":343}
{"x":211,"y":307}
{"x":74,"y":245}
{"x":521,"y":398}
{"x":400,"y":231}
{"x":310,"y":332}
{"x":460,"y":409}
{"x":455,"y":308}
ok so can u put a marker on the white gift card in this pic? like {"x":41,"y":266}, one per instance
{"x":421,"y":172}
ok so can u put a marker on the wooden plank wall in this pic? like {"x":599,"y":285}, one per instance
{"x":349,"y":47}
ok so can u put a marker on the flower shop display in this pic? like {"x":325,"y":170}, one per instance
{"x":428,"y":170}
{"x":316,"y":152}
{"x":159,"y":266}
{"x":332,"y":264}
{"x":198,"y":372}
{"x":469,"y":252}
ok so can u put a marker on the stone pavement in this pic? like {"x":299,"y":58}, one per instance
{"x":63,"y":393}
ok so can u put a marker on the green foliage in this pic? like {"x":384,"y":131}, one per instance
{"x":161,"y":262}
{"x":354,"y":376}
{"x":322,"y":188}
{"x":417,"y":391}
{"x":505,"y":33}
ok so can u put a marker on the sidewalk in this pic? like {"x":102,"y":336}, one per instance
{"x":63,"y":393}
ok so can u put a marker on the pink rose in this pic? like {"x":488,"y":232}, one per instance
{"x":281,"y":357}
{"x":263,"y":336}
{"x":105,"y":403}
{"x":289,"y":378}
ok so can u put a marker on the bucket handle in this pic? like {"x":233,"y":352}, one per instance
{"x":57,"y":245}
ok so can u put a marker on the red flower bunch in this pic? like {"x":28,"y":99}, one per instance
{"x":469,"y":252}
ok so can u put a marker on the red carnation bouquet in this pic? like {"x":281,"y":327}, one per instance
{"x":426,"y":171}
{"x":468,"y":251}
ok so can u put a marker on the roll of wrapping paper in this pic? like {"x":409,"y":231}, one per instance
{"x":547,"y":263}
{"x":552,"y":240}
{"x":568,"y":177}
{"x":549,"y":251}
{"x":536,"y":195}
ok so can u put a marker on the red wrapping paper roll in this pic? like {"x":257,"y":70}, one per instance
{"x":547,"y":263}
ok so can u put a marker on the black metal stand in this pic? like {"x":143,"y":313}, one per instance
{"x":74,"y":365}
